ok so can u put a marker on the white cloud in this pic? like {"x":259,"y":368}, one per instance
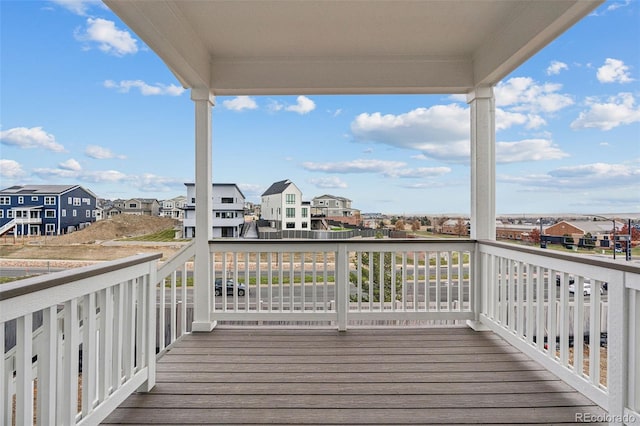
{"x":616,"y":111}
{"x":109,"y":38}
{"x":304,"y":106}
{"x":555,"y":67}
{"x":328,"y":182}
{"x":528,"y":150}
{"x":33,"y":137}
{"x":441,"y":131}
{"x":10,"y":169}
{"x":101,"y":153}
{"x":506,"y":119}
{"x":274,"y":106}
{"x":595,"y":176}
{"x":70,"y":164}
{"x":78,"y":7}
{"x":614,"y":71}
{"x":240,"y":103}
{"x":383,"y":167}
{"x":523,"y":94}
{"x":145,"y":89}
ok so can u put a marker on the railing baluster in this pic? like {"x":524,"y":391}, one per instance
{"x":564,"y":319}
{"x":89,"y":354}
{"x":438,"y":281}
{"x":280,"y":280}
{"x":258,"y":281}
{"x":106,"y":344}
{"x":578,"y":330}
{"x":303,"y":300}
{"x":314,"y":278}
{"x":69,"y":397}
{"x":47,"y":355}
{"x":371,"y":280}
{"x":449,"y":281}
{"x":594,"y":339}
{"x":529,"y":318}
{"x":183,"y":300}
{"x":174,"y":305}
{"x":161,"y":313}
{"x":24,"y":352}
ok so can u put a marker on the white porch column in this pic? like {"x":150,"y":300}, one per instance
{"x":483,"y":163}
{"x":202,"y":297}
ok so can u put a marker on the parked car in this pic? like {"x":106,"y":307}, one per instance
{"x":586,"y":288}
{"x":230,"y":285}
{"x":571,"y":280}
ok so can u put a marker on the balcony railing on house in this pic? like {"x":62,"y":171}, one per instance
{"x":85,"y":339}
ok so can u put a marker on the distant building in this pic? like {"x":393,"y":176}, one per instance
{"x":453,"y":227}
{"x":600,"y":231}
{"x":46,"y":209}
{"x":283,"y":207}
{"x":227,"y":212}
{"x":335,"y":208}
{"x":173,"y":208}
{"x":518,"y":232}
{"x":141,"y":206}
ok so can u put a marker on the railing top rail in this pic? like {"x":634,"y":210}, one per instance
{"x":385,"y":241}
{"x":42,"y":282}
{"x":576,"y":258}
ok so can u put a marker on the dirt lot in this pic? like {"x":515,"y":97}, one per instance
{"x":97,"y":242}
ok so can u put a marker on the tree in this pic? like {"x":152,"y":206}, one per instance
{"x":635,"y":232}
{"x":373,"y":277}
{"x":461,"y":227}
{"x":534,"y":236}
{"x":399,"y":225}
{"x":415,"y":225}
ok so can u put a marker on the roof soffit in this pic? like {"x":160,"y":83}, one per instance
{"x":347,"y":47}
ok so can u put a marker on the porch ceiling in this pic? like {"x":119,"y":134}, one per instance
{"x":346,"y":47}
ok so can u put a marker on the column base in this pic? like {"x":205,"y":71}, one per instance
{"x":203,"y":326}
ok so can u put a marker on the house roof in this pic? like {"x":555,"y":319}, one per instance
{"x":334,"y":197}
{"x":38,"y":189}
{"x":269,"y":47}
{"x":593,"y":226}
{"x":277,"y":187}
{"x":219,"y":184}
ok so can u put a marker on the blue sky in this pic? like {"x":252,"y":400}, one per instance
{"x":84,"y":101}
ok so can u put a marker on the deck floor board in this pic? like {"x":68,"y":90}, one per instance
{"x":362,"y":376}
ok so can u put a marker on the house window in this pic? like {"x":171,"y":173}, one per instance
{"x":1,"y":214}
{"x":304,"y":224}
{"x":34,"y":198}
{"x":63,"y":213}
{"x":50,"y":214}
{"x":49,"y":228}
{"x":133,"y":206}
{"x":86,"y":201}
{"x":304,"y":212}
{"x":76,"y":201}
{"x":88,"y":213}
{"x":9,"y":214}
{"x":5,"y":201}
{"x":227,"y":200}
{"x":75,"y":213}
{"x":291,"y":198}
{"x":291,"y":212}
{"x":70,"y":200}
{"x":49,"y":201}
{"x":20,"y":200}
{"x":291,"y":225}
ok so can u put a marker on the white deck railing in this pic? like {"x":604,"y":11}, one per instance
{"x":555,"y":308}
{"x":344,"y":282}
{"x":99,"y":328}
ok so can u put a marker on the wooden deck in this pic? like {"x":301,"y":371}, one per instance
{"x":362,"y":376}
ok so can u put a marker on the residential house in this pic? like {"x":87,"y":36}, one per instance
{"x":46,"y":209}
{"x":335,"y":208}
{"x":142,"y":206}
{"x":283,"y":207}
{"x":173,"y":208}
{"x":228,"y":211}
